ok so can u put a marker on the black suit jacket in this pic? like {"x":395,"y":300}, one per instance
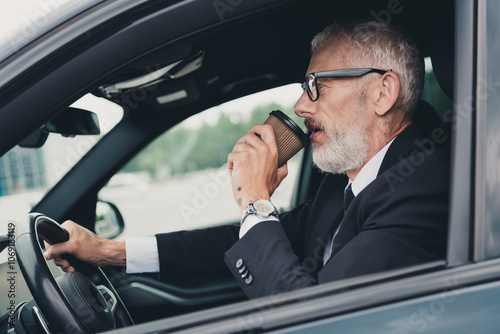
{"x":400,"y":219}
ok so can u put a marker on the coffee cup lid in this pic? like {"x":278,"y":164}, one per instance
{"x":291,"y":125}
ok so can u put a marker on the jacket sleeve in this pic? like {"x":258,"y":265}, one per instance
{"x":201,"y":252}
{"x":253,"y":261}
{"x":195,"y":253}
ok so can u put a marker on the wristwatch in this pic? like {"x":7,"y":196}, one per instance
{"x":261,"y":208}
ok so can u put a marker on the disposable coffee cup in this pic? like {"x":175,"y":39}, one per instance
{"x":289,"y":136}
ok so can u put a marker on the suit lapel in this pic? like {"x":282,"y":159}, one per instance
{"x":326,"y":215}
{"x":402,"y":147}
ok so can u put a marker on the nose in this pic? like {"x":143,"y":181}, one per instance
{"x":304,"y":107}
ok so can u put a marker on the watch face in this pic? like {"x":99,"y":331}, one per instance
{"x":263,"y":206}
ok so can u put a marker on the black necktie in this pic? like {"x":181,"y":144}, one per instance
{"x":348,"y":196}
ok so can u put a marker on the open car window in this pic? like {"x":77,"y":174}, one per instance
{"x":180,"y":181}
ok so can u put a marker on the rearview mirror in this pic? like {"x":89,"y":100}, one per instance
{"x":35,"y":140}
{"x":71,"y":122}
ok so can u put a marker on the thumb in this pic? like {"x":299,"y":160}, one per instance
{"x":282,"y":172}
{"x":56,"y":250}
{"x":266,"y":133}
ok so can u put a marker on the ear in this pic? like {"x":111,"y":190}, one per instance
{"x":387,"y":92}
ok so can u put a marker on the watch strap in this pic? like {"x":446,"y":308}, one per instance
{"x":251,"y":210}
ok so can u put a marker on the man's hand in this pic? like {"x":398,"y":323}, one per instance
{"x":87,"y":247}
{"x":253,"y":166}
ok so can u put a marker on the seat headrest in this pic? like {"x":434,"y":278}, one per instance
{"x":425,"y":118}
{"x":442,"y":52}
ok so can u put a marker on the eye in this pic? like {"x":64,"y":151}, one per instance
{"x":320,"y":85}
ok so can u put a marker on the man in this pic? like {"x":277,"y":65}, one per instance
{"x":363,"y":83}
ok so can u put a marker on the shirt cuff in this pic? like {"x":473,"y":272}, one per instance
{"x":251,"y":221}
{"x":142,"y":255}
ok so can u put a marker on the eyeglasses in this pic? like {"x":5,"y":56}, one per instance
{"x":312,"y":87}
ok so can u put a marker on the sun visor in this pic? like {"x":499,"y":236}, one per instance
{"x":172,"y":71}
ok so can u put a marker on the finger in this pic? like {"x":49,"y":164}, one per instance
{"x":61,"y":262}
{"x":235,"y":159}
{"x":230,"y":163}
{"x":247,"y":145}
{"x":250,"y":136}
{"x":52,"y":251}
{"x":282,"y":172}
{"x":58,"y":249}
{"x":47,"y":255}
{"x":265,"y":133}
{"x":252,"y":140}
{"x":69,"y":226}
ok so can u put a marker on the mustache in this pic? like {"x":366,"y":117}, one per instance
{"x":312,"y":125}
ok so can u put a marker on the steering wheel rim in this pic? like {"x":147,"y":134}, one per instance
{"x":44,"y":288}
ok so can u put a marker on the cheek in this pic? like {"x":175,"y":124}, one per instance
{"x":341,"y":107}
{"x":340,"y":115}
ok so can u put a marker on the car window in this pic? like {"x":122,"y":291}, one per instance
{"x":434,"y":95}
{"x":26,"y":174}
{"x":180,"y":181}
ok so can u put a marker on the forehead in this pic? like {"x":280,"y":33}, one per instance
{"x":332,"y":57}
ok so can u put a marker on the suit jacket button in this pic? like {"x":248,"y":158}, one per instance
{"x":242,"y":269}
{"x":248,"y":280}
{"x":245,"y":274}
{"x":239,"y":263}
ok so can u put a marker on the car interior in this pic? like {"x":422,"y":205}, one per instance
{"x":162,"y":78}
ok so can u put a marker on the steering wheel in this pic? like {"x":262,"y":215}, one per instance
{"x":83,"y":301}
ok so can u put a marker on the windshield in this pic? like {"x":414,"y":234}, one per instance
{"x":22,"y":21}
{"x":27,"y":173}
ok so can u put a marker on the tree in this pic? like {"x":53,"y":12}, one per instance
{"x":183,"y":149}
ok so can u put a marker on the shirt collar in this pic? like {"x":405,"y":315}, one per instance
{"x":369,"y":171}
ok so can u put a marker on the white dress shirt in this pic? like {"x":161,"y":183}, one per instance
{"x":142,"y":253}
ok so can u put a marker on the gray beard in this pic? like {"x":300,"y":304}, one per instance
{"x":345,"y":149}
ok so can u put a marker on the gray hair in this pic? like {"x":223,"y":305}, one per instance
{"x":380,"y":45}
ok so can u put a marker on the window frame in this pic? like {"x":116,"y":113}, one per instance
{"x":484,"y":139}
{"x":461,"y":218}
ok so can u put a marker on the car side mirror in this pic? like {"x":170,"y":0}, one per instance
{"x":108,"y":221}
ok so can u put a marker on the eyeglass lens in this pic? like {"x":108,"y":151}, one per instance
{"x":312,"y":90}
